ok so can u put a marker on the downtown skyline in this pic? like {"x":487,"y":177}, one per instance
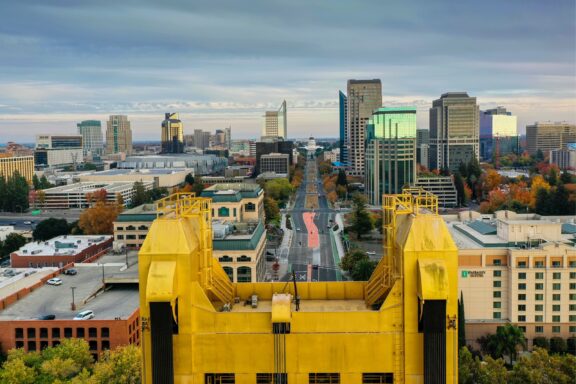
{"x":216,"y":67}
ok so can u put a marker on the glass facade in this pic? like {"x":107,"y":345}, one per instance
{"x":390,"y":152}
{"x":343,"y":102}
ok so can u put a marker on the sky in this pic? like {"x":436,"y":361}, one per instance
{"x":221,"y":63}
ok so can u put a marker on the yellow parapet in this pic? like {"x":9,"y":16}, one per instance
{"x":399,"y":327}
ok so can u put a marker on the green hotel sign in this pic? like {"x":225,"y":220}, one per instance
{"x":466,"y":274}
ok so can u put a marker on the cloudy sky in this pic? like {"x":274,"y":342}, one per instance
{"x":223,"y":63}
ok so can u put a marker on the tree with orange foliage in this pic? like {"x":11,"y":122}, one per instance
{"x":538,"y":182}
{"x":519,"y":192}
{"x":490,"y":181}
{"x":98,"y":219}
{"x":332,"y":196}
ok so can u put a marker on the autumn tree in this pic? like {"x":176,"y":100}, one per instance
{"x":540,"y":367}
{"x":538,"y":183}
{"x":361,"y":221}
{"x":490,"y":181}
{"x":99,"y":219}
{"x":271,"y":210}
{"x":121,"y":366}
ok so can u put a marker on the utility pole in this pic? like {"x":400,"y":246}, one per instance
{"x":102,"y":273}
{"x":73,"y":304}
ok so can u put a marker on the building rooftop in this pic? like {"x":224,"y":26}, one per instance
{"x":231,"y":192}
{"x":92,"y":186}
{"x":236,"y":236}
{"x":144,"y":212}
{"x":61,"y":245}
{"x":152,"y":171}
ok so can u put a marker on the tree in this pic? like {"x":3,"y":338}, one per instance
{"x":558,"y":345}
{"x":139,"y":196}
{"x":471,"y":370}
{"x":538,"y":183}
{"x":50,"y":228}
{"x":541,"y":342}
{"x":98,"y":220}
{"x":342,"y":180}
{"x":361,"y":220}
{"x":35,"y":182}
{"x":121,"y":366}
{"x":15,"y":371}
{"x":363,"y":270}
{"x":16,"y":193}
{"x":189,"y":179}
{"x":11,"y":243}
{"x":353,"y":257}
{"x":543,"y":204}
{"x":459,"y":184}
{"x":540,"y":367}
{"x":491,"y":180}
{"x":461,"y":322}
{"x":271,"y":210}
{"x":119,"y":200}
{"x":278,"y":189}
{"x":566,"y":178}
{"x":332,"y":196}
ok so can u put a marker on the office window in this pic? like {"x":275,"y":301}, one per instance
{"x":496,"y":315}
{"x":105,"y":332}
{"x":538,"y":318}
{"x":539,"y":286}
{"x":523,"y":329}
{"x":572,"y":318}
{"x":521,"y":264}
{"x":539,"y":264}
{"x":539,"y":275}
{"x":573,"y":296}
{"x":521,"y":318}
{"x":539,"y":297}
{"x":556,"y":286}
{"x":497,"y":262}
{"x":556,"y":318}
{"x":573,"y":307}
{"x":539,"y":329}
{"x":496,"y":294}
{"x":119,"y":237}
{"x":522,"y":286}
{"x":377,"y":378}
{"x":572,"y":263}
{"x":521,"y":307}
{"x":572,"y":286}
{"x":573,"y":275}
{"x":92,"y":332}
{"x":105,"y":344}
{"x":521,"y":296}
{"x":497,"y":284}
{"x":55,"y":333}
{"x":555,"y":329}
{"x":556,"y":308}
{"x":19,"y":332}
{"x":31,"y":346}
{"x":556,"y":297}
{"x":572,"y":329}
{"x":497,"y":273}
{"x":323,"y":378}
{"x":496,"y":304}
{"x":556,"y":264}
{"x":522,"y":276}
{"x":80,"y":332}
{"x":539,"y":307}
{"x":31,"y":333}
{"x":557,"y":275}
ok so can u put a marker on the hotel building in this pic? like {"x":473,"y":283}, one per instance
{"x":10,"y":164}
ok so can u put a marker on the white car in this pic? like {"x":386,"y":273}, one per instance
{"x":84,"y":315}
{"x":371,"y":253}
{"x":54,"y":281}
{"x":27,"y":223}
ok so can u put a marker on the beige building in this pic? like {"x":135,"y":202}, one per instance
{"x":131,"y":226}
{"x":518,"y":269}
{"x":276,"y":123}
{"x":10,"y":164}
{"x":549,"y":136}
{"x":236,"y":202}
{"x":118,"y":135}
{"x":161,"y":178}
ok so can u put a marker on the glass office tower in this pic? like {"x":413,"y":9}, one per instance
{"x":390,"y":152}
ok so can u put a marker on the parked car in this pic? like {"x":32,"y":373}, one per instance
{"x":46,"y":317}
{"x":54,"y":281}
{"x":71,"y":272}
{"x":371,"y":253}
{"x":84,"y":315}
{"x":27,"y":223}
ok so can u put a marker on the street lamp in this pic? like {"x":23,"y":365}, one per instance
{"x":73,"y":305}
{"x":102,"y":273}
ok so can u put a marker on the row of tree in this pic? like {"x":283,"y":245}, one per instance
{"x":357,"y":263}
{"x":14,"y":193}
{"x":71,"y":362}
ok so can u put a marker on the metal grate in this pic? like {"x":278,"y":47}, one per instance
{"x":271,"y":378}
{"x":219,"y":378}
{"x":324,"y":378}
{"x":377,"y":378}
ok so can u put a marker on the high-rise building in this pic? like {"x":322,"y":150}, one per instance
{"x":422,"y":136}
{"x":390,"y":152}
{"x":172,"y":134}
{"x":220,"y":138}
{"x":276,"y":123}
{"x":201,"y":139}
{"x":498,"y":131}
{"x":57,"y":150}
{"x":24,"y":165}
{"x":273,"y":146}
{"x":454,"y":131}
{"x":92,"y":141}
{"x":343,"y":106}
{"x":118,"y":135}
{"x":549,"y":136}
{"x":364,"y":97}
{"x":228,"y":135}
{"x":423,"y":147}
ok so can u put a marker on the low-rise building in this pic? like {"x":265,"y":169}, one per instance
{"x":131,"y":226}
{"x":76,"y":195}
{"x":236,"y":202}
{"x":60,"y":251}
{"x":24,"y":165}
{"x":58,"y":150}
{"x":202,"y":164}
{"x":161,"y":178}
{"x":563,"y":158}
{"x":278,"y":163}
{"x":441,"y":186}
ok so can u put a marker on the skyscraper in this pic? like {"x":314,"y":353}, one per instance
{"x":390,"y":152}
{"x":343,"y":104}
{"x":547,"y":136}
{"x":498,"y":129}
{"x":201,"y":139}
{"x":92,"y":141}
{"x":228,"y":134}
{"x":276,"y":123}
{"x":118,"y":135}
{"x":172,"y":134}
{"x":364,"y":97}
{"x":454,"y":131}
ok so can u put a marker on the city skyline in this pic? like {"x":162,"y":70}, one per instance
{"x":520,"y":55}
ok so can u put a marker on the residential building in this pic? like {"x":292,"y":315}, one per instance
{"x":519,"y":269}
{"x":441,"y":186}
{"x":276,"y":123}
{"x":343,"y":119}
{"x":498,"y":131}
{"x":390,"y":152}
{"x":278,"y":163}
{"x":201,"y":164}
{"x":364,"y":97}
{"x":23,"y":165}
{"x":58,"y":150}
{"x":169,"y":178}
{"x":565,"y":159}
{"x":76,"y":195}
{"x":454,"y":131}
{"x":172,"y":137}
{"x":118,"y":135}
{"x":131,"y":226}
{"x":92,"y":141}
{"x":60,"y":251}
{"x":273,"y":146}
{"x":547,"y":136}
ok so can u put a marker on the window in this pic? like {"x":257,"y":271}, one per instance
{"x":539,"y":307}
{"x":496,"y":294}
{"x":538,"y":318}
{"x":523,"y":329}
{"x":539,"y":275}
{"x":244,"y":258}
{"x":250,"y":207}
{"x":557,"y":275}
{"x":497,"y":284}
{"x":142,"y":228}
{"x":93,"y":344}
{"x":496,"y":304}
{"x":120,"y":237}
{"x":219,"y":378}
{"x":573,"y":296}
{"x":19,"y":344}
{"x":539,"y":264}
{"x":323,"y":378}
{"x":105,"y":344}
{"x":572,"y":286}
{"x":539,"y":286}
{"x":572,"y":329}
{"x":496,"y":315}
{"x":521,"y":296}
{"x":572,"y":318}
{"x":67,"y":332}
{"x":556,"y":318}
{"x":522,"y":276}
{"x":19,"y":333}
{"x":539,"y":329}
{"x":556,"y":308}
{"x":55,"y":333}
{"x":521,"y":318}
{"x":573,"y":307}
{"x":31,"y":333}
{"x":556,"y":264}
{"x":497,"y":273}
{"x":539,"y":297}
{"x":573,"y":275}
{"x":522,"y":286}
{"x":556,"y":297}
{"x":521,"y":264}
{"x":230,"y":272}
{"x":244,"y":274}
{"x":555,"y":329}
{"x":223,"y":212}
{"x":497,"y":262}
{"x":377,"y":378}
{"x":105,"y":331}
{"x":80,"y":332}
{"x":556,"y":286}
{"x":225,"y":259}
{"x":572,"y":263}
{"x":43,"y":344}
{"x":141,"y":237}
{"x":130,"y":237}
{"x":234,"y":214}
{"x":92,"y":332}
{"x":31,"y":346}
{"x":521,"y":307}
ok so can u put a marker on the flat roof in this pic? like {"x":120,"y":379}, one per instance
{"x":152,"y":171}
{"x":61,"y":245}
{"x":91,"y":186}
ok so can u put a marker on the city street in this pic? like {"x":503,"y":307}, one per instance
{"x":18,"y":219}
{"x":303,"y":250}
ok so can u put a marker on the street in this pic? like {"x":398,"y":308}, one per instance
{"x":18,"y":219}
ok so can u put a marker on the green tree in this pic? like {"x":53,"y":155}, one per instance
{"x":271,"y":210}
{"x":140,"y":196}
{"x":566,"y":178}
{"x":361,"y":220}
{"x":278,"y":189}
{"x":351,"y":258}
{"x":561,"y":204}
{"x":571,"y":345}
{"x":11,"y":243}
{"x":50,"y":228}
{"x":363,"y":270}
{"x":539,"y":156}
{"x":44,"y":183}
{"x":15,"y":371}
{"x":543,"y":203}
{"x":540,"y":367}
{"x":121,"y":366}
{"x":189,"y":179}
{"x":459,"y":184}
{"x":341,"y":180}
{"x":472,"y":370}
{"x":461,"y":322}
{"x":3,"y":193}
{"x":35,"y":182}
{"x":16,"y":197}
